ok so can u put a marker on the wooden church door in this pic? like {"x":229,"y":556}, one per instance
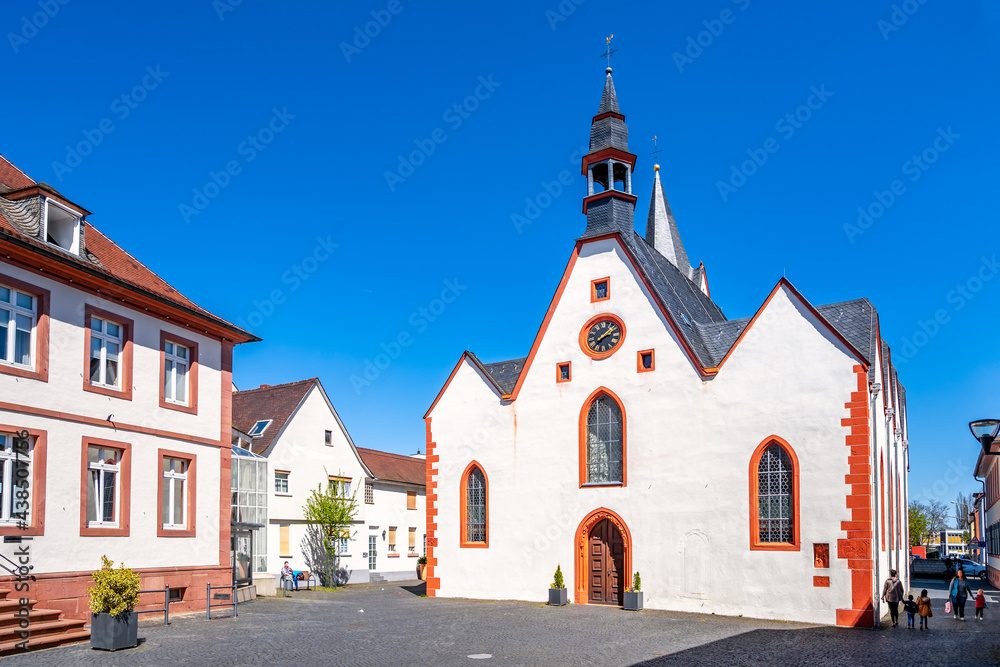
{"x":607,"y":564}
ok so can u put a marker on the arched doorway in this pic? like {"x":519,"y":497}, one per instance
{"x":604,"y":559}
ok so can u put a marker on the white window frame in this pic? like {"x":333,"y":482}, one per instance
{"x":343,"y":543}
{"x":104,"y":339}
{"x":265,"y":422}
{"x":98,"y":488}
{"x":171,"y":375}
{"x":287,"y":486}
{"x":13,"y":310}
{"x":8,"y":476}
{"x":169,"y":476}
{"x":75,"y":245}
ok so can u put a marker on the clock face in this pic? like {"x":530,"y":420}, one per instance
{"x":603,"y":336}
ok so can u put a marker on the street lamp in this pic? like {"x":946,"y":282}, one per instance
{"x":985,"y":431}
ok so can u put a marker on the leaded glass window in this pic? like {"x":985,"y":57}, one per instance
{"x":475,"y":507}
{"x":775,"y":513}
{"x":604,"y":441}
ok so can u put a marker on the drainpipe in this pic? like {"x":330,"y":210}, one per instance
{"x":981,"y":523}
{"x":876,"y":545}
{"x":891,"y":451}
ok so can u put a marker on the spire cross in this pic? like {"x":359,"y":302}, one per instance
{"x":656,"y":151}
{"x":607,"y":54}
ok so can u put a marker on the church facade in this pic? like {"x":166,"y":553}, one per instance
{"x":752,"y":466}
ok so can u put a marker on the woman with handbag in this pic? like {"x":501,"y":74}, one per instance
{"x":892,"y":594}
{"x":958,"y":594}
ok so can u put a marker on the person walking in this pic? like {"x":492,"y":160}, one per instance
{"x":892,"y":594}
{"x":910,"y":607}
{"x":980,"y":604}
{"x":924,"y":609}
{"x":959,"y":592}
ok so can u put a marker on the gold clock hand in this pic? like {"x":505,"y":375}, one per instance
{"x":606,"y":333}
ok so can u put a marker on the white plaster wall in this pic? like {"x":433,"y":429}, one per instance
{"x":62,"y":548}
{"x":689,"y":447}
{"x":301,"y":450}
{"x":388,"y":510}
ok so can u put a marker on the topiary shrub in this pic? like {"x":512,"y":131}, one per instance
{"x":558,"y":579}
{"x":422,"y":560}
{"x":636,"y":584}
{"x":115,"y":591}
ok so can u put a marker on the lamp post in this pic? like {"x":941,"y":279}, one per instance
{"x":985,"y":431}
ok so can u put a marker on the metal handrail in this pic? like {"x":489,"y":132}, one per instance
{"x":16,"y":572}
{"x":208,"y":599}
{"x":166,"y":604}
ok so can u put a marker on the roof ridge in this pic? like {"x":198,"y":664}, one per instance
{"x":276,"y":386}
{"x":506,"y":361}
{"x":379,"y":451}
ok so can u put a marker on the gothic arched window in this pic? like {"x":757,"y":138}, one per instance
{"x":774,"y":496}
{"x":475,"y":507}
{"x":604,"y":440}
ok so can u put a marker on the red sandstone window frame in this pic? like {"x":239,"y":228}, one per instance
{"x":652,"y":361}
{"x":40,"y":359}
{"x":583,"y":441}
{"x":124,"y":358}
{"x":463,"y":515}
{"x":191,"y":488}
{"x":124,"y":489}
{"x":593,"y":289}
{"x":36,"y":511}
{"x":755,"y":543}
{"x":569,"y":371}
{"x":191,"y":407}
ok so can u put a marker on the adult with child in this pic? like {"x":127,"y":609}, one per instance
{"x":892,"y":594}
{"x":959,"y":592}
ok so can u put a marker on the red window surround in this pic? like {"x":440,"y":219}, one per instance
{"x":36,"y":512}
{"x":124,"y":489}
{"x":463,"y":515}
{"x":124,"y":358}
{"x":755,"y":543}
{"x":190,"y":488}
{"x":41,"y":353}
{"x":192,"y":403}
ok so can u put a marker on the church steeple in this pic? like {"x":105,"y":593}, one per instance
{"x":661,"y":228}
{"x":610,"y":204}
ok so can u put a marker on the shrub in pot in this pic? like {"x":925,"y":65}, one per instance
{"x":113,"y":597}
{"x":633,"y":594}
{"x":422,"y":568}
{"x":557,"y":591}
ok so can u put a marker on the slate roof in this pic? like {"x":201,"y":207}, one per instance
{"x":20,"y":222}
{"x":276,"y":402}
{"x":394,"y":467}
{"x":505,"y":373}
{"x":609,"y":132}
{"x":661,"y":229}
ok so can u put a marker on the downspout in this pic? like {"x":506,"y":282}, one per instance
{"x":876,"y":545}
{"x":891,"y":451}
{"x":980,"y":524}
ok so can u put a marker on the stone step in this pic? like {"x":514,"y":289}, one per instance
{"x":39,"y":629}
{"x":46,"y":641}
{"x":13,"y":604}
{"x":4,"y":592}
{"x":34,"y":616}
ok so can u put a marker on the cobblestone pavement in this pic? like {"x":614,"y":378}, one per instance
{"x":397,"y":627}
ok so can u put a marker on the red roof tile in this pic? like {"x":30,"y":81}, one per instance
{"x":394,"y":467}
{"x":275,"y":402}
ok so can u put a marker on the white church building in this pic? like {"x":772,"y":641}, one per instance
{"x":752,"y":466}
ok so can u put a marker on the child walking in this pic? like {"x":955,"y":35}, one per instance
{"x":924,"y":609}
{"x":910,"y":607}
{"x":980,"y":604}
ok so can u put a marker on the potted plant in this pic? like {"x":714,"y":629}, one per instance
{"x":422,"y":568}
{"x":113,"y":624}
{"x":633,"y":594}
{"x":557,"y":591}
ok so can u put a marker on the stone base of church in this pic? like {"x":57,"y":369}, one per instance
{"x":67,"y":591}
{"x":856,"y":618}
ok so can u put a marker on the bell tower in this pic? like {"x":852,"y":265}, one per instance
{"x":609,"y":204}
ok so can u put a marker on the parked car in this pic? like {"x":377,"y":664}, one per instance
{"x":972,"y":568}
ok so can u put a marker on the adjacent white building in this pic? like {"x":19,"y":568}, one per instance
{"x":297,"y":429}
{"x":121,"y":385}
{"x":751,"y":467}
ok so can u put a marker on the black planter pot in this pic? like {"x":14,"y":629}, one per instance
{"x":558,"y":597}
{"x":111,"y":633}
{"x":633,"y":601}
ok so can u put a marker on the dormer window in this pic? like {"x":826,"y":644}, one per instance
{"x":259,"y":428}
{"x":62,"y":227}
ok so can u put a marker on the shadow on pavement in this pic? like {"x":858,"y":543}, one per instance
{"x":417,"y":589}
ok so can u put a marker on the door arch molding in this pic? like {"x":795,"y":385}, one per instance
{"x":582,"y":537}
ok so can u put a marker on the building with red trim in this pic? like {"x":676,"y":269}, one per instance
{"x":123,"y":388}
{"x":752,"y":466}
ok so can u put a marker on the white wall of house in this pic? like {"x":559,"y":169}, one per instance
{"x":689,"y":444}
{"x":389,"y":510}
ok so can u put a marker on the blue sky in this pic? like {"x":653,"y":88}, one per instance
{"x":251,"y":155}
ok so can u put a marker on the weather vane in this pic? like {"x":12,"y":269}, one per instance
{"x":610,"y":52}
{"x":656,"y":151}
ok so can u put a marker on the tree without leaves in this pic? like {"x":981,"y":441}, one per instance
{"x":937,"y":515}
{"x":329,"y":515}
{"x":963,"y":506}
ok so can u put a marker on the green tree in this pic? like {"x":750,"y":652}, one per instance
{"x":919,"y":524}
{"x":329,"y":513}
